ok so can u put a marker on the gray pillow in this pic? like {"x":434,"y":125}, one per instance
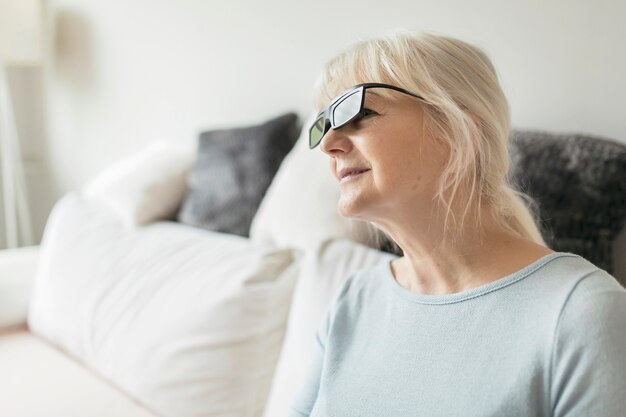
{"x":579,"y":183}
{"x":233,"y":170}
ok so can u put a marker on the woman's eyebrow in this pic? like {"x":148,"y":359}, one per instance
{"x":373,"y":93}
{"x":373,"y":97}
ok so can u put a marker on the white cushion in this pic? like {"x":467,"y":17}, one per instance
{"x":145,"y":187}
{"x":299,"y":208}
{"x":17,"y":272}
{"x":187,"y":321}
{"x":324,"y":269}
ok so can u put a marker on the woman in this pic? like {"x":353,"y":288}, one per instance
{"x":479,"y":317}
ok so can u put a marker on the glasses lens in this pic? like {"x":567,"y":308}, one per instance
{"x":317,"y":132}
{"x":347,"y":109}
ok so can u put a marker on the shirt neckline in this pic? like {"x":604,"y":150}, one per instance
{"x":471,"y":293}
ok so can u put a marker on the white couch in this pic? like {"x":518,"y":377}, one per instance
{"x":120,"y":313}
{"x":103,"y":364}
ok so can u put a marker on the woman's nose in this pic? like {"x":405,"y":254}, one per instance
{"x":335,"y":141}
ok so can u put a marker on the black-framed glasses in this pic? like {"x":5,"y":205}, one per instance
{"x":345,"y":108}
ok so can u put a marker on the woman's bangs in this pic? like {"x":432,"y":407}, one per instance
{"x":345,"y":71}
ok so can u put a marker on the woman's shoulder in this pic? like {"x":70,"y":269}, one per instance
{"x":566,"y":267}
{"x":584,"y":287}
{"x":595,"y":286}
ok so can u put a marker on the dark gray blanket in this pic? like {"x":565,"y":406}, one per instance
{"x":579,"y":182}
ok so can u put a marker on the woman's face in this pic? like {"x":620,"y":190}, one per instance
{"x":403,"y":163}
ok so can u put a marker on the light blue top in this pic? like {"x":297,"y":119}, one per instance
{"x":547,"y":340}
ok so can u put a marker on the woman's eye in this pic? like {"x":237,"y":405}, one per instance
{"x":367,"y":112}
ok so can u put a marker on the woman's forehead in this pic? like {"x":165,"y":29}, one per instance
{"x":372,"y":95}
{"x":333,"y":89}
{"x":376,"y":92}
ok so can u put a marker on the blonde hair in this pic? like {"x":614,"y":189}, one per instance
{"x":464,"y":107}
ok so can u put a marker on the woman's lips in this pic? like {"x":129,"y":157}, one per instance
{"x":352,"y":176}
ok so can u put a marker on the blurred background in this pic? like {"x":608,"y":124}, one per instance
{"x":95,"y":80}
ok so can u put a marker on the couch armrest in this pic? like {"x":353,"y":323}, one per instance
{"x":17,"y":273}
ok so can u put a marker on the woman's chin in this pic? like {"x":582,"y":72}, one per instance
{"x":344,"y":211}
{"x":350,"y":208}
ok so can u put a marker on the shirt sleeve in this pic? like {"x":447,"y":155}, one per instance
{"x":589,"y":352}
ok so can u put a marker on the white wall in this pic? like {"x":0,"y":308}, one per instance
{"x":122,"y":73}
